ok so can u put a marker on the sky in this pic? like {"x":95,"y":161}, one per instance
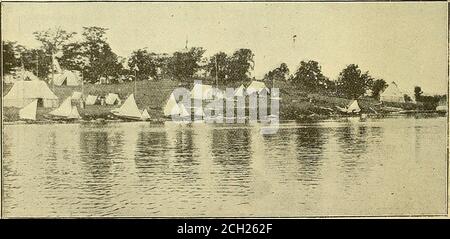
{"x":401,"y":42}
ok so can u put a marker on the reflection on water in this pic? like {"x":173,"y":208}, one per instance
{"x":381,"y":166}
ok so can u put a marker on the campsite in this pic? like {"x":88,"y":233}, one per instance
{"x":99,"y":100}
{"x":103,"y":86}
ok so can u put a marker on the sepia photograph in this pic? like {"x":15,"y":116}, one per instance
{"x":224,"y":109}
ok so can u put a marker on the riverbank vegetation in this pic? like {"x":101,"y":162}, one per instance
{"x":153,"y":76}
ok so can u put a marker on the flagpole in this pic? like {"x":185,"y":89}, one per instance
{"x":217,"y":72}
{"x":37,"y":66}
{"x":135,"y":81}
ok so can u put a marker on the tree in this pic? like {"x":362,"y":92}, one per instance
{"x":219,"y":63}
{"x":74,"y":57}
{"x":92,"y":55}
{"x":183,"y":64}
{"x":280,"y":73}
{"x":378,"y":86}
{"x":9,"y":61}
{"x":240,"y":64}
{"x":36,"y":60}
{"x":352,"y":83}
{"x":418,"y":93}
{"x":309,"y":76}
{"x":52,"y":41}
{"x":146,"y":62}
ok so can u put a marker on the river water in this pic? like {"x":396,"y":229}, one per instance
{"x":389,"y":166}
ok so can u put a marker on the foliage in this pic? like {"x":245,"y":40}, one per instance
{"x":9,"y":61}
{"x":378,"y":86}
{"x":352,"y":83}
{"x":36,"y":61}
{"x":145,"y":63}
{"x":218,"y":66}
{"x":240,"y":64}
{"x":280,"y":73}
{"x":418,"y":93}
{"x":53,"y":39}
{"x":309,"y":77}
{"x":183,"y":64}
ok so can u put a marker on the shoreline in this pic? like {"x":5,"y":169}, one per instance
{"x":301,"y":119}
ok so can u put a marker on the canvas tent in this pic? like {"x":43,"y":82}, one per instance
{"x":112,"y":99}
{"x":29,"y":112}
{"x":129,"y":109}
{"x":352,"y":107}
{"x":91,"y":100}
{"x":56,"y":66}
{"x":24,"y":92}
{"x":257,"y":87}
{"x":203,"y":92}
{"x":76,"y":95}
{"x":70,"y":78}
{"x":145,"y":115}
{"x":392,"y":94}
{"x":182,"y":111}
{"x":240,"y":92}
{"x":171,"y":107}
{"x":66,"y":110}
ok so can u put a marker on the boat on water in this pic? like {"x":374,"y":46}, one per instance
{"x":65,"y":112}
{"x":130,"y":111}
{"x":28,"y":113}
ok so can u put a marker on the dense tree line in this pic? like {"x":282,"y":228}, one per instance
{"x":92,"y":55}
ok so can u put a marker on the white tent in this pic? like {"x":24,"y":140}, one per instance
{"x":70,"y":78}
{"x":392,"y":94}
{"x":145,"y":115}
{"x":112,"y":99}
{"x":24,"y":92}
{"x":74,"y":113}
{"x":353,"y":107}
{"x":199,"y":112}
{"x":64,"y":110}
{"x":203,"y":92}
{"x":76,"y":95}
{"x":29,"y":111}
{"x":257,"y":87}
{"x":129,"y":109}
{"x":56,"y":66}
{"x":240,"y":92}
{"x":91,"y":100}
{"x":183,"y":112}
{"x":171,"y":107}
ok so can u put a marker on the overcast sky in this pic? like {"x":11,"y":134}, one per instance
{"x":401,"y":42}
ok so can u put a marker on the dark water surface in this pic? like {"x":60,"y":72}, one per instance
{"x":391,"y":166}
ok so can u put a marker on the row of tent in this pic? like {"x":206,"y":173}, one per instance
{"x":64,"y":111}
{"x":206,"y":92}
{"x":110,"y":98}
{"x":65,"y":77}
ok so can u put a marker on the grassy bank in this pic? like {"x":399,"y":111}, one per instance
{"x":152,"y":95}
